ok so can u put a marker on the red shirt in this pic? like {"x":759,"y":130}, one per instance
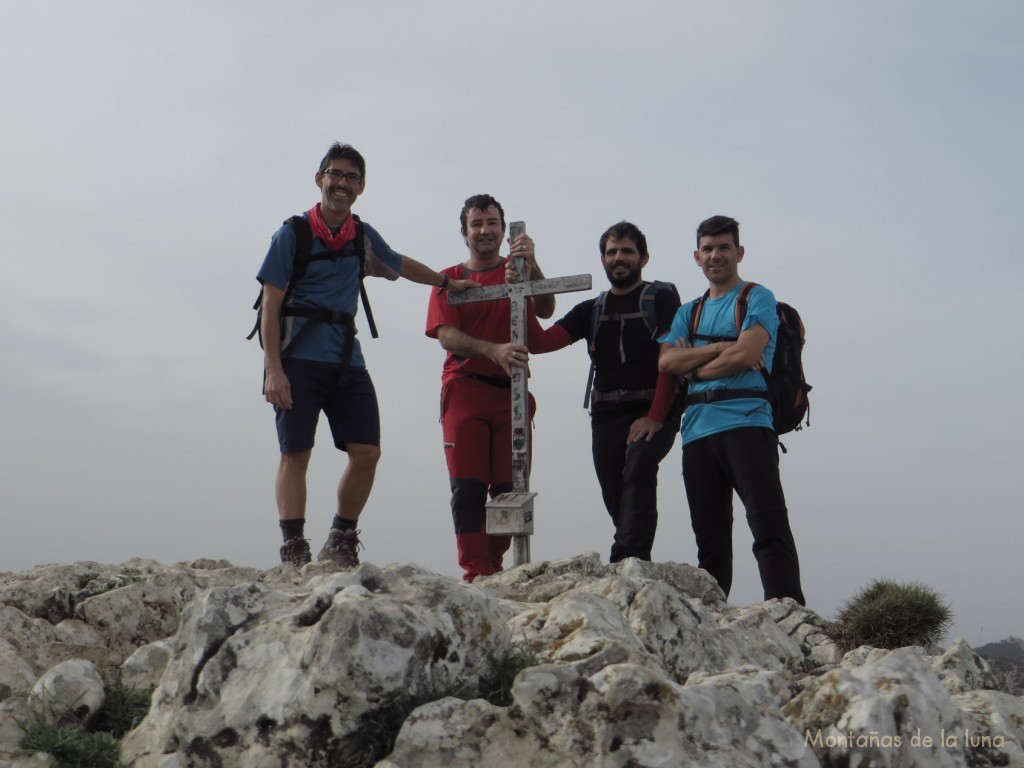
{"x":487,"y":320}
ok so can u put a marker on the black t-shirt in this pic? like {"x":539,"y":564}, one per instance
{"x":618,"y":338}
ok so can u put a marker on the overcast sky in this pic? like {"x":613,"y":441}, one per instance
{"x":870,"y":150}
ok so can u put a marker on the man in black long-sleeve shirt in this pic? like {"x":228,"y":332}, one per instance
{"x":635,"y":412}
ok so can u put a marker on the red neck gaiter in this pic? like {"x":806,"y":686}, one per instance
{"x":345,"y":235}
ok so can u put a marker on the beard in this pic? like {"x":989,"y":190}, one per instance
{"x":622,"y":281}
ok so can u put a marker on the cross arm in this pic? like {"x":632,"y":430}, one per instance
{"x":566,"y":284}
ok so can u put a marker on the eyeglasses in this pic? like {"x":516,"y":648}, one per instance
{"x":336,"y":175}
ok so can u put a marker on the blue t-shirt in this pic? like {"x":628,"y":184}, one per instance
{"x":328,"y":284}
{"x":718,"y":318}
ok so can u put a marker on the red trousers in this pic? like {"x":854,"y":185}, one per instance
{"x":476,"y":419}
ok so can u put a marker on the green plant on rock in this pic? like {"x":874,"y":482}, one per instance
{"x":496,"y":687}
{"x":123,"y":709}
{"x":889,"y":614}
{"x":97,"y":744}
{"x":71,"y":744}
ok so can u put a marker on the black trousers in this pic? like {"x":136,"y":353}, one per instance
{"x":745,"y":460}
{"x":628,"y":475}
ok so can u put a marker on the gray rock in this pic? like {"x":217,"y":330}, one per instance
{"x":625,"y":715}
{"x":72,"y":688}
{"x":144,"y":668}
{"x":640,"y":664}
{"x":962,"y":670}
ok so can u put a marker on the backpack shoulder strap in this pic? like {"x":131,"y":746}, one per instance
{"x":696,"y":308}
{"x":596,"y":314}
{"x":648,"y":302}
{"x":647,"y":296}
{"x":300,"y":262}
{"x":360,"y":248}
{"x":742,"y":302}
{"x":303,"y":246}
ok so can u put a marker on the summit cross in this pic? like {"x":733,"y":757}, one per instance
{"x":511,"y":514}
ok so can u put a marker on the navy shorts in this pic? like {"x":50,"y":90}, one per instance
{"x":351,"y":409}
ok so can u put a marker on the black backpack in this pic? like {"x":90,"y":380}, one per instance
{"x":646,"y":313}
{"x":787,"y":387}
{"x":303,"y":256}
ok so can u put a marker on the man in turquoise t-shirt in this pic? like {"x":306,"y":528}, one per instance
{"x":728,"y":441}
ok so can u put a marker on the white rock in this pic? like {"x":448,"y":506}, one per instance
{"x":962,"y":670}
{"x":73,"y":687}
{"x":144,"y":668}
{"x":642,"y":664}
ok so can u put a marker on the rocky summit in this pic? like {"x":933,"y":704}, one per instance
{"x":548,"y":665}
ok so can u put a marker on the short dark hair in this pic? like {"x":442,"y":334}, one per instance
{"x":344,"y":152}
{"x":480,"y":203}
{"x":622,"y":230}
{"x":719,"y":225}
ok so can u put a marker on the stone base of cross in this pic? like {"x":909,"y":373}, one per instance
{"x":511,"y":514}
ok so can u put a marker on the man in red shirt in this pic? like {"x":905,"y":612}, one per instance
{"x":476,"y":412}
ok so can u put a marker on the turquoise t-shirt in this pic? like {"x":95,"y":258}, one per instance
{"x":328,"y":284}
{"x":718,"y":318}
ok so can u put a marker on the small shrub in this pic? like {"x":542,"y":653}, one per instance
{"x":97,"y":744}
{"x":71,"y":744}
{"x":887,"y":614}
{"x":122,"y":710}
{"x":497,"y":686}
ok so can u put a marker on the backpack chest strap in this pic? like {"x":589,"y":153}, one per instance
{"x":710,"y":338}
{"x":716,"y":395}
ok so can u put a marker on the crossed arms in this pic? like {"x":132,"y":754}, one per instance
{"x":717,"y":360}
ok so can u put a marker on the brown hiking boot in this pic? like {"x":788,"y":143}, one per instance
{"x":341,"y":548}
{"x":295,"y":551}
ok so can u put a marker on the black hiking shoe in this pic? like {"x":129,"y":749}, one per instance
{"x":341,"y":548}
{"x":295,"y":551}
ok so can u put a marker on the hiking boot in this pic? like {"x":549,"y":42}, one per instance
{"x":295,"y":551}
{"x":341,"y":548}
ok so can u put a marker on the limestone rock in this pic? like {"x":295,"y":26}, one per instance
{"x":72,"y":688}
{"x":144,"y":668}
{"x":962,"y":670}
{"x":624,"y":715}
{"x":259,"y":675}
{"x":14,"y":711}
{"x":637,"y":664}
{"x":889,"y":708}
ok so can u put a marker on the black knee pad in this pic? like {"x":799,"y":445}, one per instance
{"x":469,"y":501}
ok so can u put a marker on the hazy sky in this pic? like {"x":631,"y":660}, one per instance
{"x":870,"y":150}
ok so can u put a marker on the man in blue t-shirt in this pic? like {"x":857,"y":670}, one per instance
{"x":728,"y":442}
{"x":312,"y":359}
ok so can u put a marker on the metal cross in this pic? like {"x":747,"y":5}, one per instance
{"x":511,"y":514}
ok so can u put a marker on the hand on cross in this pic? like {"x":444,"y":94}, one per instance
{"x":458,"y":286}
{"x":510,"y":356}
